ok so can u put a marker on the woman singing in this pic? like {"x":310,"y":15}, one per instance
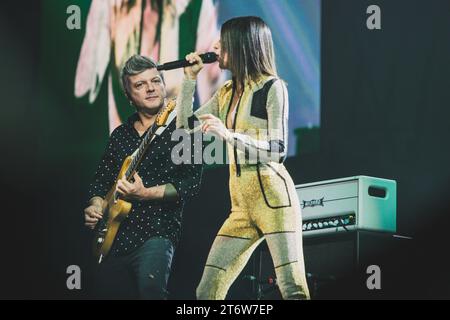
{"x":250,"y":112}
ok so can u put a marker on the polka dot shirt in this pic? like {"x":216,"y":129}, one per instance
{"x":147,"y":218}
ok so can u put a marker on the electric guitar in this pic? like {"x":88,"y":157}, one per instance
{"x":114,"y":209}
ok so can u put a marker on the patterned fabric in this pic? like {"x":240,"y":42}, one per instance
{"x":147,"y":218}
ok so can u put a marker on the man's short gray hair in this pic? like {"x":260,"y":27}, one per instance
{"x":136,"y":64}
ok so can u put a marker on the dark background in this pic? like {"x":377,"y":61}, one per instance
{"x":385,"y":113}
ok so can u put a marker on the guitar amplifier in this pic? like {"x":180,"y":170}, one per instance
{"x":348,"y":224}
{"x":347,"y":204}
{"x":336,"y":266}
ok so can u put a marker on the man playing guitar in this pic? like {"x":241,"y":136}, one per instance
{"x":139,"y":260}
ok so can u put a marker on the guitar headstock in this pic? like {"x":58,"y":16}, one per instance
{"x":163,"y":114}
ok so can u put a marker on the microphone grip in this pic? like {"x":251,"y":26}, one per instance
{"x":208,"y":57}
{"x":174,"y":65}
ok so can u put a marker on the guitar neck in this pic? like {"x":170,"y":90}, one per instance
{"x":137,"y":157}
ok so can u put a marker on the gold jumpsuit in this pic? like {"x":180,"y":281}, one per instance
{"x":263,"y":197}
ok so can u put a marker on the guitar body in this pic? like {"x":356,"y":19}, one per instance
{"x":114,"y":212}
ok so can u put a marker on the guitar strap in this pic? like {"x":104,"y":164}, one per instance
{"x":160,"y":130}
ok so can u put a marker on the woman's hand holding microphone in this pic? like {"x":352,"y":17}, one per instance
{"x":210,"y":123}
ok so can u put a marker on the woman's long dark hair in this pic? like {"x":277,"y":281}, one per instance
{"x":248,"y":43}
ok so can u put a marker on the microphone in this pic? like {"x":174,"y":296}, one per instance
{"x":208,"y":57}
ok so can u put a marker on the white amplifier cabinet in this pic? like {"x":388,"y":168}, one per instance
{"x":354,"y":203}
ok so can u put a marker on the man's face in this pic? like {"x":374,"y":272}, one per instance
{"x":222,"y":55}
{"x":147,"y":91}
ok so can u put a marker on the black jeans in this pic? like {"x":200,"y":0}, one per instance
{"x":142,"y":274}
